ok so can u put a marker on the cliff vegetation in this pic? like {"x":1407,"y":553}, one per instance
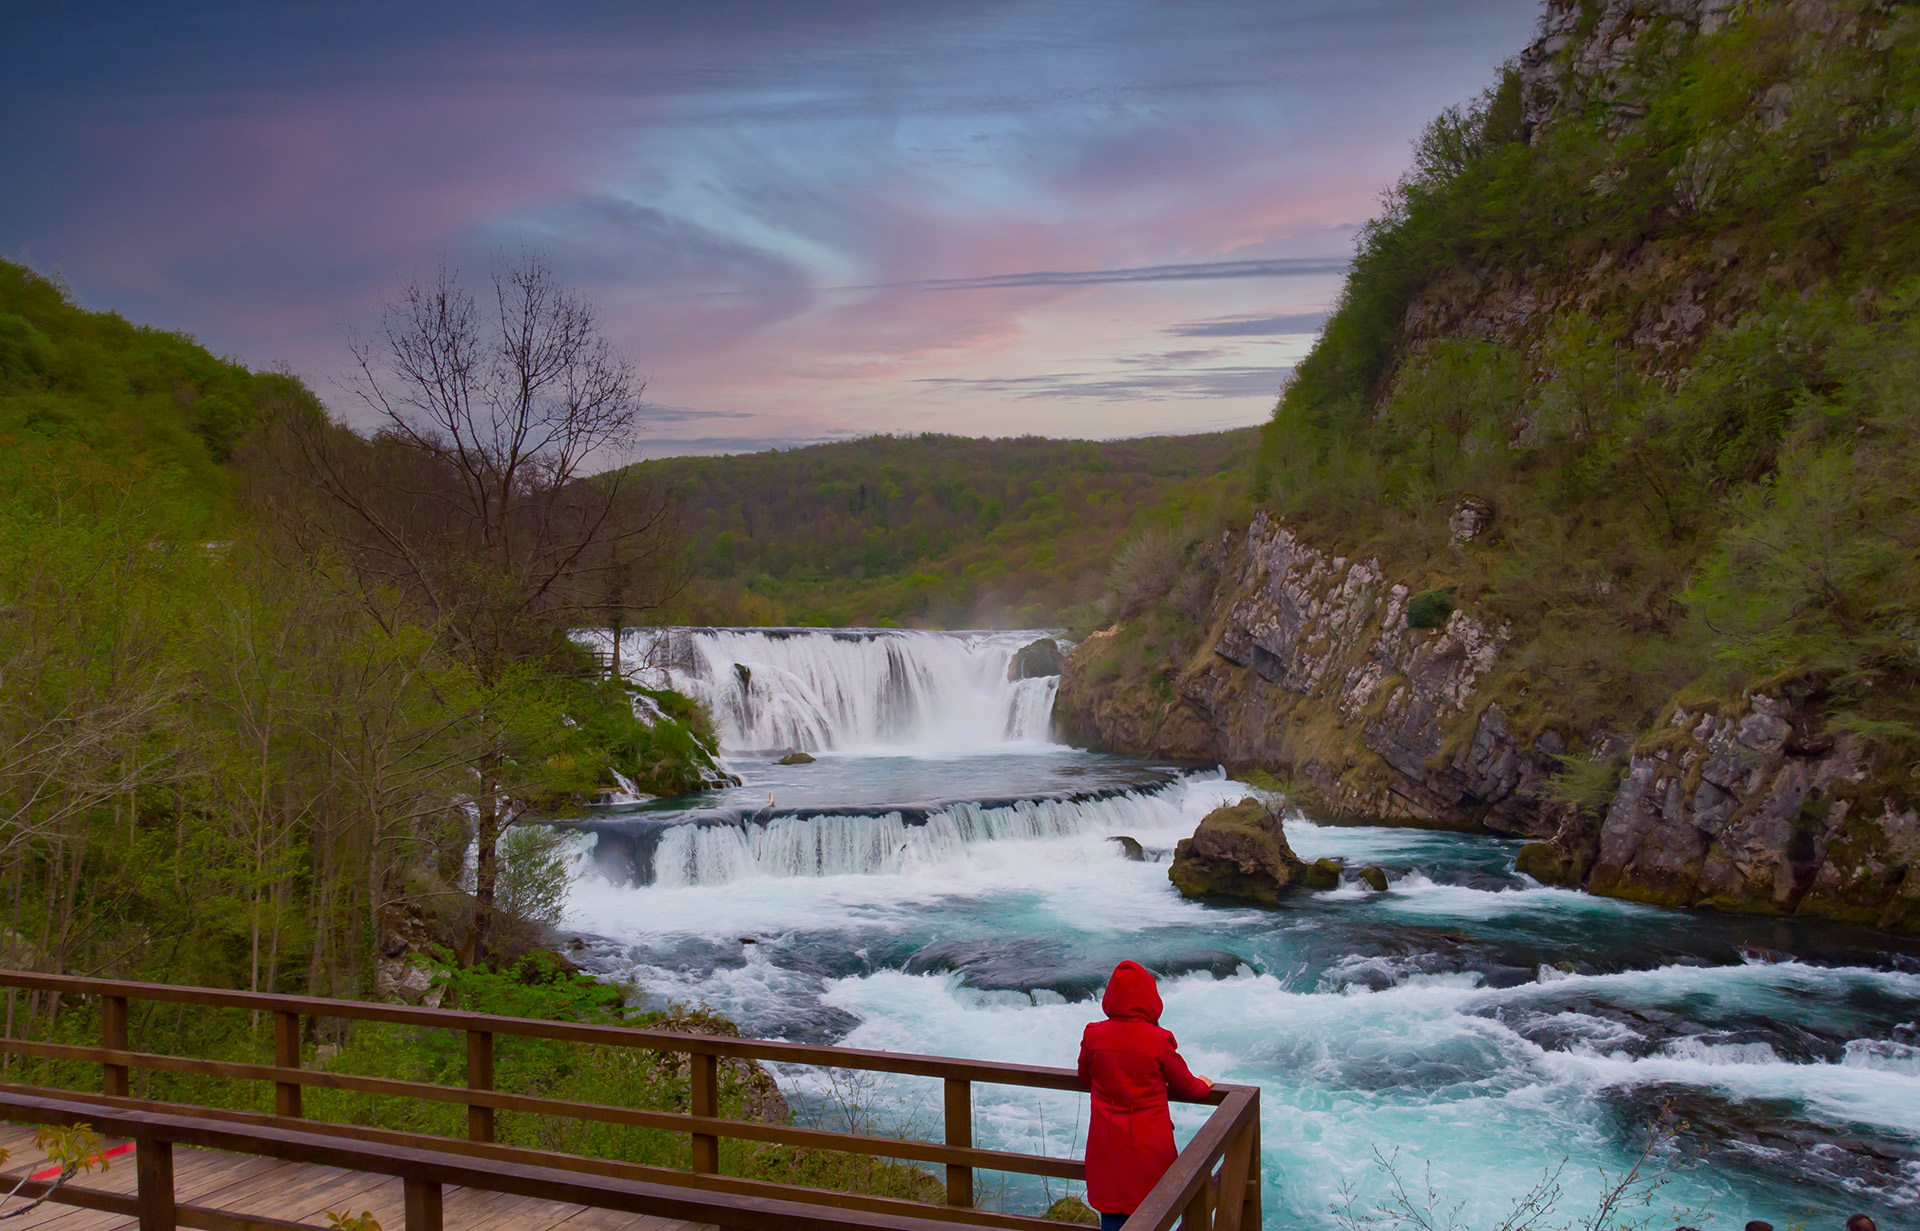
{"x":1592,"y":514}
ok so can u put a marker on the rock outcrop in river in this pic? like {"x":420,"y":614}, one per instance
{"x":1238,"y":852}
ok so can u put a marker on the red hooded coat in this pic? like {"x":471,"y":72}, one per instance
{"x":1131,"y":1065}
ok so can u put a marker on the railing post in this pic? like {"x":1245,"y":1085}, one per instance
{"x":286,"y":1055}
{"x":479,"y":1077}
{"x":422,"y":1201}
{"x":1250,"y":1208}
{"x":1231,"y":1208}
{"x":703,"y":1089}
{"x":1194,"y":1217}
{"x":153,"y":1176}
{"x":959,"y":1133}
{"x":113,"y":1037}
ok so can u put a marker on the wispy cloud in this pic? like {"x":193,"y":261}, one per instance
{"x":1251,"y":326}
{"x":1278,"y":268}
{"x":1107,"y":387}
{"x":654,"y":412}
{"x":1067,"y":217}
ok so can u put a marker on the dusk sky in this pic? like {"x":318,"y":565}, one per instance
{"x":802,"y":221}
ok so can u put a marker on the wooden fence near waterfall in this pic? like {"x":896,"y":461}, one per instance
{"x":432,"y":1182}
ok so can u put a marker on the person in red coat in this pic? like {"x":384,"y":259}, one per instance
{"x":1132,"y":1066}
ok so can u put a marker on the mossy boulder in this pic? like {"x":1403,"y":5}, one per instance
{"x":1322,"y":874}
{"x":1072,"y":1209}
{"x":1238,"y":853}
{"x":1130,"y":847}
{"x":795,"y":758}
{"x":1374,"y":878}
{"x":1036,"y":659}
{"x":1551,"y":864}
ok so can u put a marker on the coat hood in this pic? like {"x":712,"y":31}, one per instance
{"x":1132,"y":994}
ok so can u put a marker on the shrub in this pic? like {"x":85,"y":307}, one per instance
{"x":1430,"y":610}
{"x":1145,"y":570}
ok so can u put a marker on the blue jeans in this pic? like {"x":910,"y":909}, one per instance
{"x":1112,"y":1222}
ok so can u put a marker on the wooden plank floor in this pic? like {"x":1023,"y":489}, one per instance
{"x":242,"y":1184}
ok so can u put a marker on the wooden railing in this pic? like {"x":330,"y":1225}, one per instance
{"x":1214,"y":1185}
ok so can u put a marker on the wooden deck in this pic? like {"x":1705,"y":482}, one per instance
{"x":213,"y":1169}
{"x":298,"y":1193}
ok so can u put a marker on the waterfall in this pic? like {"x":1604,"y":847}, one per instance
{"x":878,"y":843}
{"x":773,"y":689}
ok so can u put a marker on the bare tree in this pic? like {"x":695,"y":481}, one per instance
{"x":493,"y":496}
{"x":479,"y":496}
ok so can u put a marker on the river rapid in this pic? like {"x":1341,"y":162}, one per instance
{"x":943,"y":878}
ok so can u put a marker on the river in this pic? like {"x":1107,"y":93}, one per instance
{"x":943,"y":879}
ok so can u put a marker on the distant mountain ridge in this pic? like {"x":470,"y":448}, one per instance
{"x":935,"y":531}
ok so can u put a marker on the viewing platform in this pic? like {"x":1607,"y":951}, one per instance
{"x":227,"y":1170}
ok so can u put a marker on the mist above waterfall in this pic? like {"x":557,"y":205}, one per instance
{"x":815,"y":690}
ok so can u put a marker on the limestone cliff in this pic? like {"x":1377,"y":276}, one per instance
{"x":1757,"y":811}
{"x":1591,"y":516}
{"x":1315,"y":671}
{"x":1312,"y":671}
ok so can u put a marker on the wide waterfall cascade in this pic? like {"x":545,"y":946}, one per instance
{"x":883,"y":842}
{"x":815,"y":690}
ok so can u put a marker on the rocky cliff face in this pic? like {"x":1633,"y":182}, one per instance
{"x":1755,"y":811}
{"x":1610,"y":56}
{"x":1700,"y":181}
{"x":1317,"y":671}
{"x":1313,"y":671}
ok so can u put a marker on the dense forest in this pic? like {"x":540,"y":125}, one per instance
{"x":936,"y":531}
{"x":235,"y":748}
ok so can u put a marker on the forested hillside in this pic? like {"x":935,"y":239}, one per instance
{"x":91,"y":383}
{"x":1653,"y":302}
{"x":236,"y":750}
{"x":1617,"y":416}
{"x":936,"y":531}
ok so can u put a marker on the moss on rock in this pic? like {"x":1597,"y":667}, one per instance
{"x":1551,"y":864}
{"x":1238,"y":852}
{"x":1322,"y":874}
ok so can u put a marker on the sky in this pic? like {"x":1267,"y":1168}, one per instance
{"x":801,"y":220}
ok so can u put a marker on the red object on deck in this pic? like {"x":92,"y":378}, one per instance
{"x":53,"y":1173}
{"x":1131,"y":1065}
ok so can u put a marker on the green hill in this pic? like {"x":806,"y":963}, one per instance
{"x":940,"y":531}
{"x":231,"y":758}
{"x":69,"y":377}
{"x":1614,"y":438}
{"x":1652,"y":299}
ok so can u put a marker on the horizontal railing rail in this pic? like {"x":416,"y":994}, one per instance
{"x":425,"y":1173}
{"x":907,"y":1063}
{"x":1191,"y":1191}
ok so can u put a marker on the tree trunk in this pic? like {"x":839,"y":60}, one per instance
{"x":486,"y":873}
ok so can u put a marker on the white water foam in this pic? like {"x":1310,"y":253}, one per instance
{"x":805,"y":922}
{"x":1426,"y":1062}
{"x":789,"y":846}
{"x":848,"y":689}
